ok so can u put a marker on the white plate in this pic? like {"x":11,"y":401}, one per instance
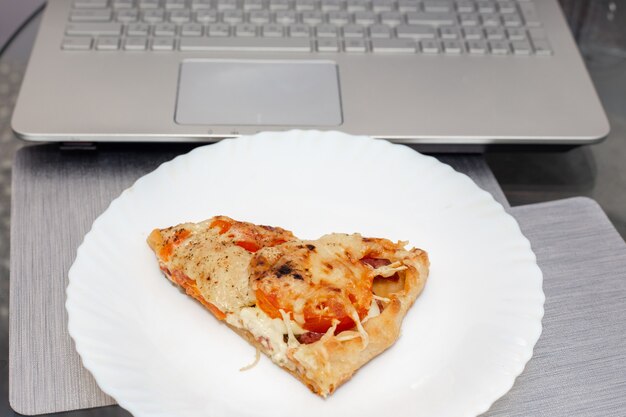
{"x":159,"y":353}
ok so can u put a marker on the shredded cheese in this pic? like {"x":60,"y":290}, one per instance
{"x":347,"y":335}
{"x":257,"y":357}
{"x":373,"y":311}
{"x":291,"y":339}
{"x":365,"y":339}
{"x":383,"y":299}
{"x":389,"y":270}
{"x":329,"y":333}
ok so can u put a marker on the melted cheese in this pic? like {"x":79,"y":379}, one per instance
{"x":389,"y":270}
{"x":220,"y":269}
{"x":268,"y":332}
{"x":374,"y":311}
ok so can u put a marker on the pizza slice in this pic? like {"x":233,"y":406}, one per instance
{"x":320,"y":309}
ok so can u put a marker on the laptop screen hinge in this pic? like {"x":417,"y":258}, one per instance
{"x":77,"y":146}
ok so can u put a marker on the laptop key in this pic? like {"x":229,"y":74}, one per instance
{"x":490,"y":19}
{"x":218,"y":29}
{"x":380,"y":31}
{"x":82,"y":43}
{"x":149,"y":4}
{"x":472,"y":33}
{"x":365,"y":17}
{"x":542,"y":47}
{"x":326,"y":31}
{"x":331,"y":5}
{"x":477,"y":47}
{"x":232,"y":16}
{"x":449,"y":32}
{"x":529,"y":14}
{"x":94,"y":29}
{"x":253,"y":5}
{"x":383,"y":5}
{"x":495,"y":34}
{"x":285,"y":17}
{"x":107,"y":43}
{"x":164,"y":44}
{"x":200,"y":4}
{"x":499,"y":47}
{"x":435,"y":19}
{"x":123,"y":4}
{"x":272,"y":30}
{"x":327,"y":45}
{"x":226,"y":4}
{"x":464,"y":6}
{"x":452,"y":47}
{"x":206,"y":16}
{"x":135,"y":44}
{"x":393,"y":45}
{"x":180,"y":16}
{"x":91,"y":15}
{"x":302,"y":5}
{"x":338,"y":17}
{"x":511,"y":20}
{"x":245,"y":29}
{"x":310,"y":17}
{"x":516,"y":34}
{"x":437,"y":6}
{"x":486,"y":6}
{"x":175,"y":4}
{"x":468,"y":19}
{"x":259,"y":16}
{"x":246,"y":44}
{"x":127,"y":16}
{"x":153,"y":15}
{"x":299,"y":30}
{"x":354,"y":45}
{"x":90,"y":3}
{"x":506,"y":7}
{"x":138,"y":29}
{"x":279,"y":4}
{"x":430,"y":46}
{"x":408,"y":6}
{"x":415,"y":31}
{"x":164,"y":29}
{"x":358,"y":5}
{"x":522,"y":48}
{"x":191,"y":29}
{"x":391,"y":18}
{"x":354,"y":31}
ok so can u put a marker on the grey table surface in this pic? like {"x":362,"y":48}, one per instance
{"x":579,"y":366}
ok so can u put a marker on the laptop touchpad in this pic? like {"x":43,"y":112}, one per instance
{"x":240,"y":92}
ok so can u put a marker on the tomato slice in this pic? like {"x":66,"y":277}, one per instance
{"x":167,"y":250}
{"x":320,"y":313}
{"x":249,"y":246}
{"x":223,"y":225}
{"x":268,"y":303}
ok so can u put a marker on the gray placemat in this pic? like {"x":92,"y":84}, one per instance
{"x":579,"y":363}
{"x":56,"y":197}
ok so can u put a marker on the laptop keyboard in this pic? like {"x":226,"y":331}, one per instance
{"x":480,"y":28}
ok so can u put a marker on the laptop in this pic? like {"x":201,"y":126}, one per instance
{"x":436,"y":72}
